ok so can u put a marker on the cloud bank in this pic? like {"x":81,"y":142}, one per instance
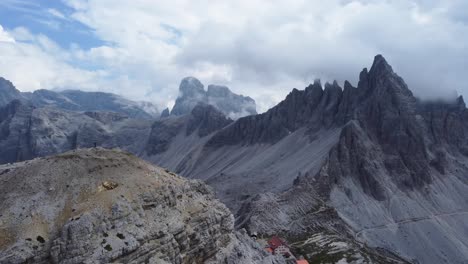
{"x":258,"y":48}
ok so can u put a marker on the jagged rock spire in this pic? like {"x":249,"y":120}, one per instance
{"x":380,"y":66}
{"x":461,"y":103}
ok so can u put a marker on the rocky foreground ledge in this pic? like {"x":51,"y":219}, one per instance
{"x":100,"y":206}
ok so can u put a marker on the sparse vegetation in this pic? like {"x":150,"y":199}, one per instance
{"x":40,"y":239}
{"x":108,"y":247}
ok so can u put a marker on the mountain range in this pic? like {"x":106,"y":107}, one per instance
{"x":372,"y":169}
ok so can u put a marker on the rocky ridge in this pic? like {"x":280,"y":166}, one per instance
{"x":396,"y":175}
{"x":100,"y":206}
{"x":78,"y":101}
{"x":8,"y":92}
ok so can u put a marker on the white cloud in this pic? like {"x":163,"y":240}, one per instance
{"x":5,"y":36}
{"x":56,"y":13}
{"x":259,"y":48}
{"x":34,"y":62}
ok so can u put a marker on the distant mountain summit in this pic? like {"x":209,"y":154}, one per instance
{"x":76,"y":100}
{"x":8,"y":92}
{"x":192,"y":92}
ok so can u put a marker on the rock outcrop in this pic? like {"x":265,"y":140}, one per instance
{"x":204,"y":119}
{"x":8,"y":92}
{"x":102,"y":206}
{"x":192,"y":92}
{"x":165,"y":113}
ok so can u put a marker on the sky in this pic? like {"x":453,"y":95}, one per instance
{"x":141,"y":49}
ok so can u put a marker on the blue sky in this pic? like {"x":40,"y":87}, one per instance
{"x":141,"y":49}
{"x":48,"y":17}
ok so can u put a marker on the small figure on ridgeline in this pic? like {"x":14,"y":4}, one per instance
{"x":95,"y":144}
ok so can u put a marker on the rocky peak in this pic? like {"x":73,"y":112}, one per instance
{"x":191,"y":87}
{"x":191,"y":92}
{"x":207,"y":119}
{"x":165,"y":113}
{"x":332,"y":88}
{"x":380,"y":66}
{"x":7,"y":85}
{"x":316,"y":87}
{"x":461,"y":103}
{"x":8,"y":92}
{"x":314,"y":92}
{"x":382,"y":81}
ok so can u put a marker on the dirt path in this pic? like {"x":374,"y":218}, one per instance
{"x":405,"y":221}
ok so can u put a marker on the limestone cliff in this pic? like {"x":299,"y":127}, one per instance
{"x":100,"y":206}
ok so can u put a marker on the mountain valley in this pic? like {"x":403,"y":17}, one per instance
{"x":365,"y":174}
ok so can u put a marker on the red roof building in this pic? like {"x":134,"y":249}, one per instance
{"x":275,"y":242}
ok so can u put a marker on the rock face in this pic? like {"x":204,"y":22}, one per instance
{"x":203,"y":120}
{"x":15,"y":138}
{"x":102,"y":206}
{"x":206,"y":119}
{"x":165,"y":113}
{"x":192,"y":92}
{"x":28,"y":132}
{"x":8,"y":92}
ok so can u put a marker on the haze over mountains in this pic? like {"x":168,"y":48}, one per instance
{"x":371,"y":167}
{"x":192,"y":92}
